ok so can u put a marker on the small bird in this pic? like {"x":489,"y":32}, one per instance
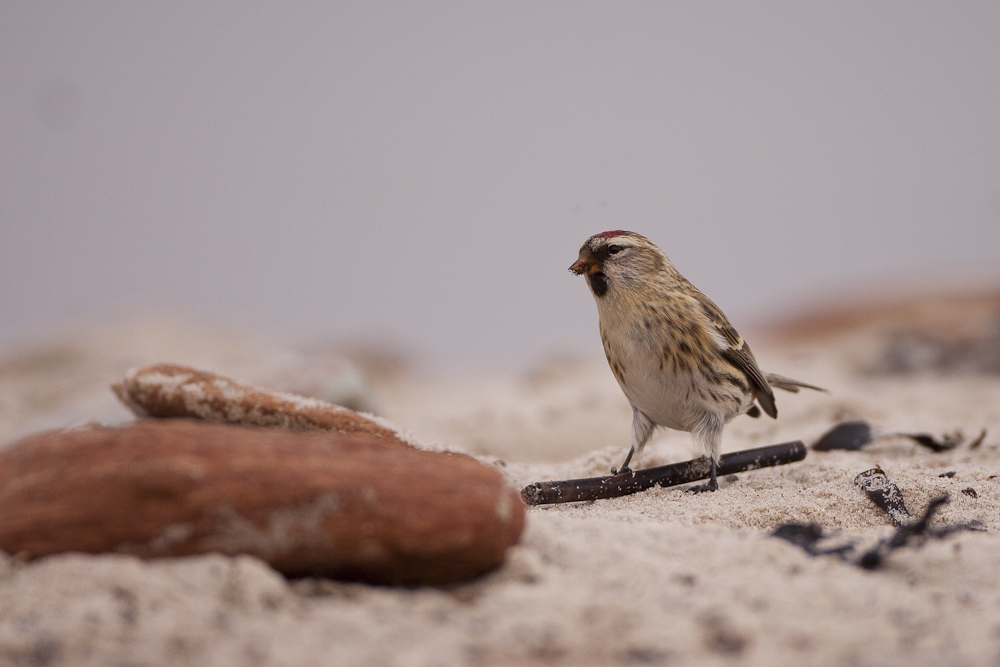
{"x":679,"y":361}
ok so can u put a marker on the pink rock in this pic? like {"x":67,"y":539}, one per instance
{"x":324,"y":504}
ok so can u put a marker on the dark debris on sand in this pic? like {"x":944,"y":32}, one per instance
{"x":854,"y":435}
{"x":888,"y":497}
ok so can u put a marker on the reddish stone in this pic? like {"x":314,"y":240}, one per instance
{"x":324,"y":504}
{"x":169,"y":390}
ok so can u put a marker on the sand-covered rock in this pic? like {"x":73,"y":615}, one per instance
{"x":172,"y":390}
{"x":323,"y":504}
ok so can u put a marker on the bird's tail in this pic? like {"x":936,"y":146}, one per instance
{"x":788,"y":384}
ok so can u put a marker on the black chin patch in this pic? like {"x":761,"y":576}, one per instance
{"x":598,"y":283}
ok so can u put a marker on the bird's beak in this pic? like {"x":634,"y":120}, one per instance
{"x":586,"y":264}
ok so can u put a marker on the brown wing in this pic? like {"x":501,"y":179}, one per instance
{"x":743,"y":359}
{"x":739,"y":355}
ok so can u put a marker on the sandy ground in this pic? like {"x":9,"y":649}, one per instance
{"x":661,"y":577}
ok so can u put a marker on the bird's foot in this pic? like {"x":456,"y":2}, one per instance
{"x":702,"y":488}
{"x":621,"y":471}
{"x":713,"y":482}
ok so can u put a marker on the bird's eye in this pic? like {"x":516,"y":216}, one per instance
{"x":614,"y":249}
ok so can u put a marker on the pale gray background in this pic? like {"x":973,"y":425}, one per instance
{"x":427,"y":171}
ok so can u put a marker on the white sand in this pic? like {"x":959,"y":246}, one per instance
{"x":662,"y":577}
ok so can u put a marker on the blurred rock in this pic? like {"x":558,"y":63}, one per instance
{"x":169,"y":390}
{"x":317,"y":504}
{"x":942,"y":333}
{"x":911,"y":351}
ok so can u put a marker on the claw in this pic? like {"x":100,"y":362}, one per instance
{"x":624,"y":469}
{"x":713,"y":483}
{"x":702,"y":488}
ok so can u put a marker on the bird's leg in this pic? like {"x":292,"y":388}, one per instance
{"x":642,"y":430}
{"x":713,"y":482}
{"x":708,"y":433}
{"x":624,"y":467}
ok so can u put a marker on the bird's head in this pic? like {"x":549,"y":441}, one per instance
{"x":618,"y":258}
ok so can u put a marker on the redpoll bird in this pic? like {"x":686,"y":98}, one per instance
{"x":679,"y":361}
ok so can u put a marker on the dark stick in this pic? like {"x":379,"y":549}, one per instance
{"x":613,"y":486}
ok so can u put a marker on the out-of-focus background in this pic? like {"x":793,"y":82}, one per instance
{"x":425,"y":172}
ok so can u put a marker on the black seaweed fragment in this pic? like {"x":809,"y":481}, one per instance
{"x":850,"y":435}
{"x":875,"y":556}
{"x":854,"y":435}
{"x":881,"y":491}
{"x":808,"y":536}
{"x":889,"y":498}
{"x":979,"y":440}
{"x":942,"y":444}
{"x":945,"y":442}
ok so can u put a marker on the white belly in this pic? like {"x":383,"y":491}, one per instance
{"x":666,"y":400}
{"x":672,"y":399}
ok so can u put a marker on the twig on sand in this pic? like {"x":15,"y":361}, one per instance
{"x":613,"y":486}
